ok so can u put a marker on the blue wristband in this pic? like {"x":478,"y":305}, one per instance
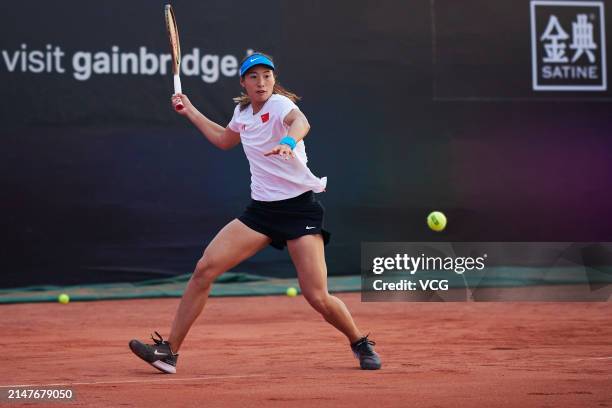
{"x":289,"y":141}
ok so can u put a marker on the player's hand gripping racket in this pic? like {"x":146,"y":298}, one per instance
{"x":175,"y":50}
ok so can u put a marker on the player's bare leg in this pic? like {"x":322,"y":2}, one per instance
{"x":232,"y":245}
{"x":308,"y":255}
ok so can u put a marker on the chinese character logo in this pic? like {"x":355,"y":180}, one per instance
{"x":583,"y":38}
{"x":564,"y":62}
{"x":555,"y":49}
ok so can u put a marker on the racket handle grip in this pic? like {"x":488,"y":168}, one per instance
{"x":177,"y":90}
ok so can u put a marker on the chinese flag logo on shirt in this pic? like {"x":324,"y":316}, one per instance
{"x":265,"y":117}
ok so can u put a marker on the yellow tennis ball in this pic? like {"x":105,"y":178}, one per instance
{"x":63,"y":298}
{"x":292,"y":292}
{"x":436,"y":221}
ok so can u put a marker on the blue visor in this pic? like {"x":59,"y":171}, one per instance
{"x":255,"y":59}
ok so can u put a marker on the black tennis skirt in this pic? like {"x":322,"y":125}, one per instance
{"x":288,"y":219}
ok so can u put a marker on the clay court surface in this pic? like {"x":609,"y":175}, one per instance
{"x":276,"y":351}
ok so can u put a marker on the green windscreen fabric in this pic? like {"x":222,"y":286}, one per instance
{"x":229,"y":284}
{"x":244,"y":284}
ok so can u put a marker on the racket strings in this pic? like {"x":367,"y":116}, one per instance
{"x":173,"y":35}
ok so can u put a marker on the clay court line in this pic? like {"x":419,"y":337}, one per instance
{"x":576,"y":360}
{"x":592,"y":358}
{"x":143,"y":381}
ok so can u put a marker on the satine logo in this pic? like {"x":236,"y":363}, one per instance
{"x":568,"y":45}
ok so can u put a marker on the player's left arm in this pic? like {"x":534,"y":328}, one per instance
{"x":298,"y":126}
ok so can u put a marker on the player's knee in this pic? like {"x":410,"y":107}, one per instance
{"x":319,"y":302}
{"x":204,"y":274}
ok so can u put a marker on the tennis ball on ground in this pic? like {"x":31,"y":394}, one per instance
{"x":292,"y":292}
{"x":436,"y":221}
{"x":63,"y":298}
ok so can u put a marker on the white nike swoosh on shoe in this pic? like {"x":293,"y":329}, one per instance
{"x":157,"y":353}
{"x":307,"y":227}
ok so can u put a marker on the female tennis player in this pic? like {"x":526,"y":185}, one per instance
{"x":283,"y":210}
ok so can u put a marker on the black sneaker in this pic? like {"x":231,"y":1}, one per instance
{"x":158,"y":355}
{"x":364,"y":352}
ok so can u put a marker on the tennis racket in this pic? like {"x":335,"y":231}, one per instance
{"x":175,"y":50}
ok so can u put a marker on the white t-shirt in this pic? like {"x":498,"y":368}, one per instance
{"x":272,"y":177}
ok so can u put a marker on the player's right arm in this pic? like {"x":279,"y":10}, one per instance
{"x":223,"y":138}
